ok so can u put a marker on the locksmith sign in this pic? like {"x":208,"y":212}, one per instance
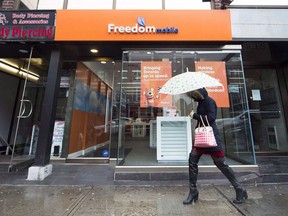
{"x":27,"y":25}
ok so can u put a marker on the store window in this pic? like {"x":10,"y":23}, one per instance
{"x":83,"y":118}
{"x":154,"y":129}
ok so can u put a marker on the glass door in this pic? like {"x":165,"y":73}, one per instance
{"x":26,"y":126}
{"x":267,"y":116}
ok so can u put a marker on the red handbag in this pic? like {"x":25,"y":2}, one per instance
{"x":204,"y":136}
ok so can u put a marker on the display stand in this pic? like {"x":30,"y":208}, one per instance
{"x":174,"y":138}
{"x":138,"y":128}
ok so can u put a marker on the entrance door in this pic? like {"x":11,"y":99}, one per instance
{"x":26,"y":124}
{"x":267,"y":116}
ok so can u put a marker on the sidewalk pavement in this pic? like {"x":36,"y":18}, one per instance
{"x":67,"y":192}
{"x":138,"y":200}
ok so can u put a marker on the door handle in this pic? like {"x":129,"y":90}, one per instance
{"x":24,"y":109}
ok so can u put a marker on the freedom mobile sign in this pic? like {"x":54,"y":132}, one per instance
{"x":27,"y":25}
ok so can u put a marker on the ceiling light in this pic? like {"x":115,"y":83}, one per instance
{"x":94,"y":51}
{"x":9,"y":68}
{"x":23,"y":51}
{"x":103,"y":62}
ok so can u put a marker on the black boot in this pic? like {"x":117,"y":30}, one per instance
{"x":193,"y":195}
{"x":241,"y":193}
{"x":193,"y":172}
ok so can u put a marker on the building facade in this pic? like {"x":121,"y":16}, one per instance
{"x":82,"y":85}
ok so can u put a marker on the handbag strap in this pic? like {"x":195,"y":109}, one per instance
{"x":202,"y":122}
{"x":206,"y":121}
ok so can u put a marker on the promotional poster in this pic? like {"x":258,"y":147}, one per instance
{"x":217,"y":70}
{"x":153,"y":76}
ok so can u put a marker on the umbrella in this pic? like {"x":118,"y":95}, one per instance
{"x":188,"y":81}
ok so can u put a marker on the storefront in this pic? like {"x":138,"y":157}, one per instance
{"x":105,"y":107}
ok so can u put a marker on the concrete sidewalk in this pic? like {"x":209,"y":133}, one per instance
{"x":114,"y":200}
{"x":91,"y":190}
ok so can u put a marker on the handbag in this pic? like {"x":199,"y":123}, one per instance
{"x":204,"y":136}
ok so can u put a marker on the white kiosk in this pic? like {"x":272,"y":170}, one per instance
{"x":174,"y":138}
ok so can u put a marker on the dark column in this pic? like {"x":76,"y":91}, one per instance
{"x":48,"y":111}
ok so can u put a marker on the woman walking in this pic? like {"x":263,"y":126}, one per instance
{"x":207,"y":106}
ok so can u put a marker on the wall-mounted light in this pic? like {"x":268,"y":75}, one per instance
{"x":20,"y":72}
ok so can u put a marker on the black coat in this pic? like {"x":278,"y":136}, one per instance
{"x":208,"y":107}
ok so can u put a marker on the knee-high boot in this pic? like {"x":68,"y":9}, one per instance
{"x":241,"y":193}
{"x":193,"y":172}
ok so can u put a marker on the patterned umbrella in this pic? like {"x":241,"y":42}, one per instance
{"x":188,"y":81}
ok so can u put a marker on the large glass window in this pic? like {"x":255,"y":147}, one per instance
{"x":84,"y":106}
{"x":142,"y":107}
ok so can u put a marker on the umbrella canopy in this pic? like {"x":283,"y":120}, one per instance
{"x":188,"y":81}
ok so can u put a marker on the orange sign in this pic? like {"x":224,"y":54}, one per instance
{"x":153,"y":76}
{"x":143,"y":25}
{"x":217,"y":70}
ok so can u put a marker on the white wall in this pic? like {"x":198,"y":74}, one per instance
{"x":259,"y":24}
{"x":31,"y":4}
{"x":260,"y":2}
{"x":89,"y":4}
{"x":186,"y":5}
{"x":50,"y":4}
{"x":142,"y":4}
{"x":139,"y":4}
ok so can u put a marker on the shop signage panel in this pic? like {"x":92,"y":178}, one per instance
{"x":27,"y":25}
{"x":216,"y":69}
{"x":57,"y":139}
{"x":143,"y":25}
{"x":153,"y":76}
